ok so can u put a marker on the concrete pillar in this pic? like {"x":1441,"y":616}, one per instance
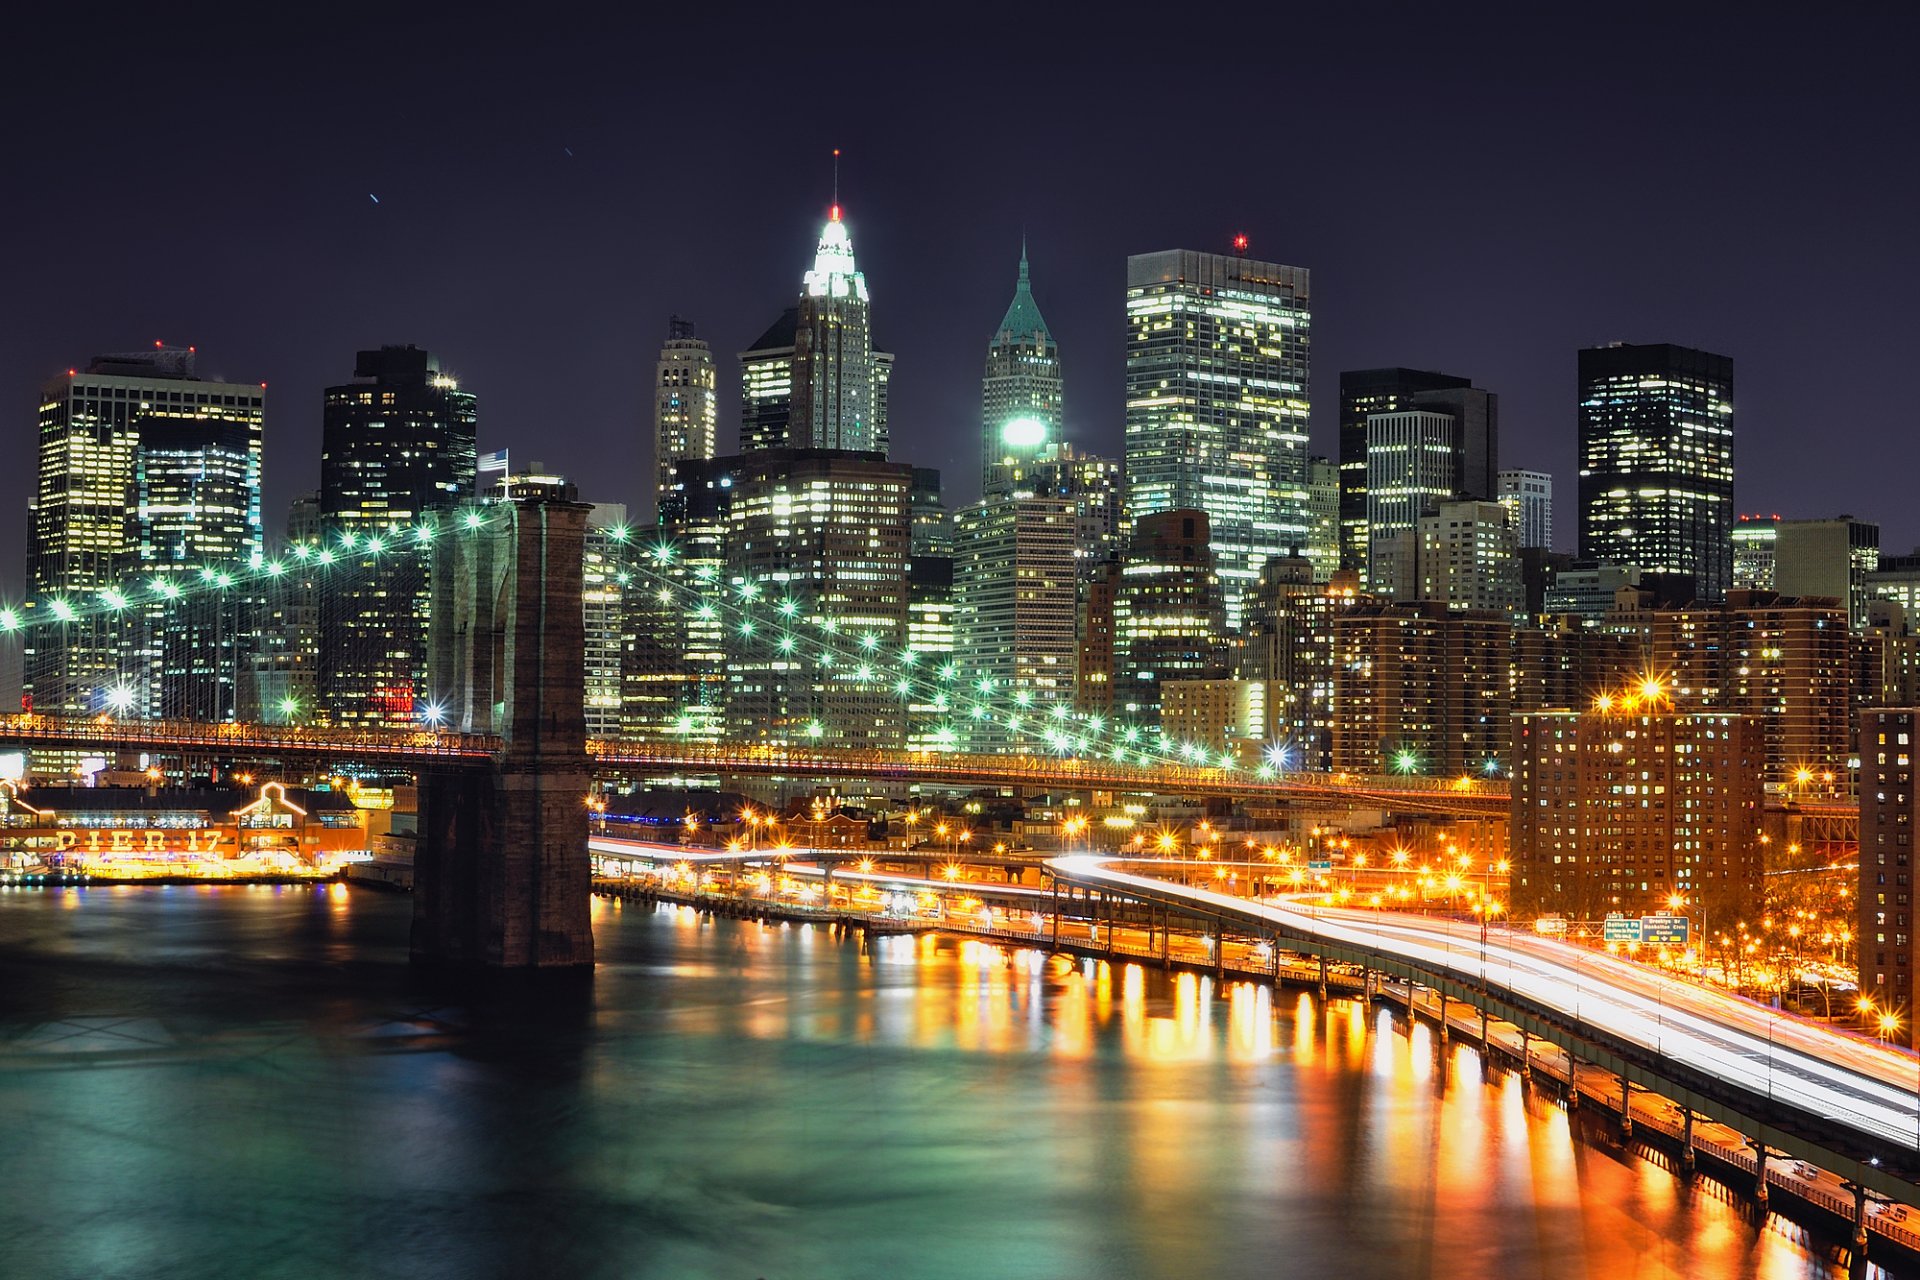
{"x":1573,"y":1083}
{"x":1860,"y":1220}
{"x":506,"y":883}
{"x":1626,"y":1107}
{"x":1686,"y":1139}
{"x":1323,"y":979}
{"x":1526,"y":1055}
{"x":1443,"y":1017}
{"x":1760,"y":1174}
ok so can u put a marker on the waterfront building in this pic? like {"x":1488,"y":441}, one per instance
{"x":1168,"y":613}
{"x":1889,"y":815}
{"x":1022,"y":395}
{"x":397,"y":447}
{"x":1630,"y":805}
{"x":825,"y":534}
{"x":1218,"y":367}
{"x":1528,"y":495}
{"x":1015,"y":611}
{"x":1656,"y":461}
{"x":81,"y":540}
{"x":685,"y":405}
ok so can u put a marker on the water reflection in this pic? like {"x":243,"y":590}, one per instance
{"x":254,"y":1082}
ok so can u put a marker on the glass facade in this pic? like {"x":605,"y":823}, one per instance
{"x":81,"y":539}
{"x":398,"y":443}
{"x":1015,"y":621}
{"x":1217,"y":397}
{"x":1656,"y":461}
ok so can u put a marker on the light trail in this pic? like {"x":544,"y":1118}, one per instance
{"x":1834,"y":1079}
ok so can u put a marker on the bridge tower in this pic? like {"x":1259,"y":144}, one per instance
{"x":501,"y":870}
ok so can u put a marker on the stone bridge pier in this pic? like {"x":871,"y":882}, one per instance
{"x":501,"y":868}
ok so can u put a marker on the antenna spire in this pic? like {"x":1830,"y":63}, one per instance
{"x":836,"y":184}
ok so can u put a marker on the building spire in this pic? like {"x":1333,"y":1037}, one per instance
{"x":833,"y":215}
{"x":1023,"y":313}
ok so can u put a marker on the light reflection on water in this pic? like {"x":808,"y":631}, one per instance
{"x":284,"y":1095}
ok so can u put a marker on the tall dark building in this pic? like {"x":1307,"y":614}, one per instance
{"x":398,"y":444}
{"x":1364,"y":392}
{"x":1656,"y":461}
{"x":1169,"y":618}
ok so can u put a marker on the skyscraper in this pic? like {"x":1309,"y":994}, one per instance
{"x":1015,"y":601}
{"x":685,"y":414}
{"x":81,"y":539}
{"x":1529,"y":496}
{"x":826,"y":535}
{"x":1410,"y":468}
{"x":1656,"y":461}
{"x":833,"y":366}
{"x":1022,"y":396}
{"x":1218,"y":361}
{"x":604,"y":581}
{"x":1168,"y":619}
{"x":398,"y":444}
{"x":1827,"y":558}
{"x":1364,"y":392}
{"x":197,"y":510}
{"x":766,"y":385}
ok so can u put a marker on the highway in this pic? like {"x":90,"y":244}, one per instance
{"x":1823,"y":1073}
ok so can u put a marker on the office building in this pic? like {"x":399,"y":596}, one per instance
{"x":825,"y":534}
{"x":686,"y":411}
{"x":1168,"y":613}
{"x":673,"y":672}
{"x":1467,"y":559}
{"x":81,"y":540}
{"x":1218,"y":365}
{"x":1889,"y":813}
{"x":285,"y":662}
{"x":197,"y":511}
{"x":1363,"y":393}
{"x":1633,"y":806}
{"x":833,"y":366}
{"x":932,"y":522}
{"x":1656,"y":461}
{"x":397,"y":449}
{"x":1323,"y":499}
{"x":1754,"y":538}
{"x":1022,"y":396}
{"x":1225,"y":718}
{"x":604,"y":582}
{"x":1096,"y":673}
{"x":1528,"y":495}
{"x":932,"y":722}
{"x":1015,"y":612}
{"x":766,"y":385}
{"x":1288,"y":646}
{"x":1827,"y":558}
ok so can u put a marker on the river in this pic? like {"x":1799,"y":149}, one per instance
{"x":253,"y":1082}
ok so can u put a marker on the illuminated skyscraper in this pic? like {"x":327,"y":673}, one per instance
{"x":824,"y":535}
{"x":197,"y":513}
{"x":1167,"y":613}
{"x":1022,"y":396}
{"x":1217,"y":396}
{"x":397,"y":445}
{"x":684,"y":411}
{"x":1363,"y":393}
{"x":766,"y":386}
{"x":1014,"y":616}
{"x":833,"y":366}
{"x":1656,"y":461}
{"x":1529,"y":496}
{"x":604,"y":582}
{"x":84,"y":538}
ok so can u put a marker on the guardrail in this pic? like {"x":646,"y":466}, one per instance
{"x":244,"y":738}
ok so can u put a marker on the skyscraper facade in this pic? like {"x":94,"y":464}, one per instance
{"x":1022,"y":396}
{"x":1168,"y":617}
{"x":766,"y":385}
{"x":81,"y":538}
{"x":1410,"y":468}
{"x":197,"y":510}
{"x":1015,"y":600}
{"x":833,"y":366}
{"x":1827,"y":558}
{"x":685,"y":412}
{"x":1363,"y":393}
{"x":826,"y":535}
{"x":1656,"y":461}
{"x":1889,"y":813}
{"x":1218,"y":365}
{"x":398,"y":444}
{"x":1528,"y":496}
{"x":604,"y":581}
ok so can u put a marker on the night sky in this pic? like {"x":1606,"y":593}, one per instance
{"x":1481,"y":196}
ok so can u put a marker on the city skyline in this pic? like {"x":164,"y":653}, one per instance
{"x":545,"y":261}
